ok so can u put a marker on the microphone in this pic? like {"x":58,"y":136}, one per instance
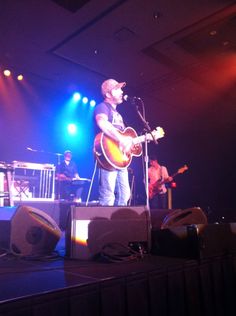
{"x":131,"y":99}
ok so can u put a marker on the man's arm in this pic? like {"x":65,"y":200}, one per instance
{"x":75,"y":171}
{"x":108,"y":129}
{"x":165,"y":175}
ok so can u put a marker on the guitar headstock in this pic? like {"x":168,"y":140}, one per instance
{"x":183,"y":169}
{"x":158,"y":132}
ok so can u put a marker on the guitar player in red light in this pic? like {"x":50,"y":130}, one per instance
{"x":114,"y":146}
{"x":158,"y":176}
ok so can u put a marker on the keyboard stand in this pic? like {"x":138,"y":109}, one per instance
{"x":7,"y":172}
{"x":21,"y":187}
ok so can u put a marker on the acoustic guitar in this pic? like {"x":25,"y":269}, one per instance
{"x":110,"y":156}
{"x":155,"y":188}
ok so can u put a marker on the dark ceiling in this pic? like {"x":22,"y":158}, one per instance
{"x":178,"y":56}
{"x":169,"y":52}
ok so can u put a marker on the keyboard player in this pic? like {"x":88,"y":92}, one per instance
{"x":66,"y":175}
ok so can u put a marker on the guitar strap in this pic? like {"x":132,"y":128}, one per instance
{"x":125,"y":123}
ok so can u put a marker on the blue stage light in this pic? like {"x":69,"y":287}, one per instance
{"x":76,"y":96}
{"x":92,"y":103}
{"x":85,"y":100}
{"x":72,"y":129}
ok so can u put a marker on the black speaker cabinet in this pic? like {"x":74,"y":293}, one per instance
{"x":195,"y":241}
{"x":27,"y":231}
{"x":91,"y":228}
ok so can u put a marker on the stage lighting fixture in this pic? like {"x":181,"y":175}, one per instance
{"x":92,"y":103}
{"x":7,"y":72}
{"x":20,"y":77}
{"x":72,"y":129}
{"x":76,"y":96}
{"x":85,"y":100}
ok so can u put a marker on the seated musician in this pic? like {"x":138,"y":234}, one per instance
{"x":66,"y":173}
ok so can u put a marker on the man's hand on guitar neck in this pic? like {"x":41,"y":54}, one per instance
{"x":170,"y":179}
{"x":163,"y":181}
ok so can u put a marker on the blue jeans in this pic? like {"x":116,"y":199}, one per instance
{"x":114,"y":187}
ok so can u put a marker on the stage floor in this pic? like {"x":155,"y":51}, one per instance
{"x":146,"y":285}
{"x":26,"y":276}
{"x":152,"y":285}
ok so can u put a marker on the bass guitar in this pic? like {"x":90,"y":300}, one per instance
{"x":110,"y":156}
{"x":155,"y":188}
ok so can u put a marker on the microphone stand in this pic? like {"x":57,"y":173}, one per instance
{"x":58,"y":181}
{"x":46,"y":152}
{"x":58,"y":155}
{"x":147,"y":129}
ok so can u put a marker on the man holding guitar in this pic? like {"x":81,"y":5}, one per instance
{"x":115,"y":145}
{"x":113,"y":183}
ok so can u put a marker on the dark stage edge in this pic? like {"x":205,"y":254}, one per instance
{"x":152,"y":285}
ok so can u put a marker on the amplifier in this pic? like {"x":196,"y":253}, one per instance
{"x":89,"y":229}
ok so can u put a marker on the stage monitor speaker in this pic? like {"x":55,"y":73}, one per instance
{"x":196,"y":241}
{"x":27,"y":231}
{"x":188,"y":216}
{"x":177,"y":217}
{"x":89,"y":229}
{"x":158,"y":216}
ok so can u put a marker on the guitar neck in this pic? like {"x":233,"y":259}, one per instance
{"x":166,"y":181}
{"x":181,"y":170}
{"x":141,"y":139}
{"x":174,"y":174}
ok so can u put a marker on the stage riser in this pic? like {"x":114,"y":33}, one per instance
{"x":175,"y":289}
